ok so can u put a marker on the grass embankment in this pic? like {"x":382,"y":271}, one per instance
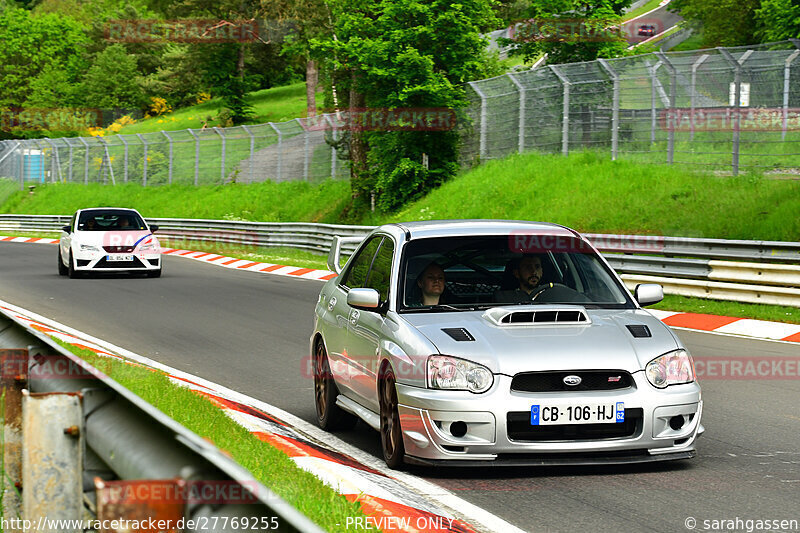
{"x":301,"y":489}
{"x":277,"y":104}
{"x":641,"y":10}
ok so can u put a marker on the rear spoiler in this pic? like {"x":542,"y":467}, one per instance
{"x":337,"y":247}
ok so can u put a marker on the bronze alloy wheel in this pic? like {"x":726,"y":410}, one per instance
{"x":329,"y":415}
{"x":391,"y":434}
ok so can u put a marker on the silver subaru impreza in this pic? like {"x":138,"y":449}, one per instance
{"x":496,"y":342}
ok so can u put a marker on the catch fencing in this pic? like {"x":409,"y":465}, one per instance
{"x":724,"y":109}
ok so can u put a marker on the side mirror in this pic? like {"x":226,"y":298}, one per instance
{"x":648,"y":293}
{"x":153,"y":228}
{"x":368,"y":299}
{"x":66,"y":228}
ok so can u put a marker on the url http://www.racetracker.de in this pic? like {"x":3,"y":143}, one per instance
{"x":151,"y":525}
{"x":737,"y":524}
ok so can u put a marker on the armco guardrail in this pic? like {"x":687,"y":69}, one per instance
{"x":70,"y":432}
{"x":717,"y":268}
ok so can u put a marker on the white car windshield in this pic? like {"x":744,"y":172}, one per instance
{"x":110,"y":221}
{"x":467,"y":272}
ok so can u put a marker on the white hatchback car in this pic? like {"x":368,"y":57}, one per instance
{"x":108,"y":239}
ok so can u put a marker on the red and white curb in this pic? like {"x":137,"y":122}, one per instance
{"x":760,"y":329}
{"x":391,"y":501}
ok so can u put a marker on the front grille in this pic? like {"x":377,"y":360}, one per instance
{"x":591,"y":380}
{"x":519,"y":428}
{"x":118,"y":249}
{"x":105,"y":263}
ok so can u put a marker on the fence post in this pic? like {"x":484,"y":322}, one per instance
{"x":221,"y":134}
{"x":737,"y":97}
{"x":333,"y":144}
{"x":786,"y":89}
{"x":108,"y":159}
{"x":124,"y":158}
{"x":615,"y":108}
{"x":280,"y":149}
{"x":521,"y":89}
{"x":484,"y":126}
{"x":252,"y":151}
{"x":673,"y":88}
{"x":196,"y":156}
{"x":41,"y":154}
{"x":144,"y":160}
{"x":693,"y":90}
{"x":85,"y":160}
{"x":69,"y":174}
{"x":565,"y":112}
{"x":653,"y":115}
{"x":57,"y":161}
{"x":169,"y":171}
{"x":305,"y":149}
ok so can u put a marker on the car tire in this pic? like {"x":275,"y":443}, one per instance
{"x":62,"y":269}
{"x":391,"y":433}
{"x":330,"y":416}
{"x":71,"y":267}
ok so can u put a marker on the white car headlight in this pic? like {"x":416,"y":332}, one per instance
{"x":89,"y":248}
{"x":147,"y":247}
{"x":445,"y":372}
{"x":671,"y":368}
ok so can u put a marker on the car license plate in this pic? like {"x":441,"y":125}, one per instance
{"x":119,"y":257}
{"x":588,"y":413}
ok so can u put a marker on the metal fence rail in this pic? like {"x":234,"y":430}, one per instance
{"x":764,"y":271}
{"x":78,"y":425}
{"x":726,"y":108}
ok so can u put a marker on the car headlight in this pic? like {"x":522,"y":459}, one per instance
{"x":147,"y":247}
{"x":445,"y":372}
{"x":671,"y":368}
{"x":89,"y":248}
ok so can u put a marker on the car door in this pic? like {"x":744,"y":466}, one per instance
{"x":367,"y":329}
{"x":338,"y":338}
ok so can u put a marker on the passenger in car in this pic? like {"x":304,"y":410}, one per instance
{"x":430,"y":283}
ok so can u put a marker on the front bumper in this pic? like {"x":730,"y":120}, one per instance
{"x":431,"y":417}
{"x":88,"y":261}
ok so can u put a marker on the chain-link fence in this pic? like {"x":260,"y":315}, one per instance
{"x":298,"y":149}
{"x":728,"y":109}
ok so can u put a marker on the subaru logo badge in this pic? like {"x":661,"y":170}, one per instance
{"x":572,"y":380}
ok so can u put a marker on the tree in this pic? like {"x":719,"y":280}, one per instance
{"x":111,"y":81}
{"x":33,"y":44}
{"x":778,"y":20}
{"x":724,"y":22}
{"x":569,"y":31}
{"x":406,"y":54}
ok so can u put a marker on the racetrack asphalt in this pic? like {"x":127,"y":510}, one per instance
{"x":249,"y":332}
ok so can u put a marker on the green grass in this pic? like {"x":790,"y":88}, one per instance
{"x":277,"y":104}
{"x":266,"y":202}
{"x":694,"y":42}
{"x":7,"y":188}
{"x":593,"y":194}
{"x":649,"y":6}
{"x":272,"y":467}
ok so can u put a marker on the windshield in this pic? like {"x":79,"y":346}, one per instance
{"x":448,"y":273}
{"x":110,"y":221}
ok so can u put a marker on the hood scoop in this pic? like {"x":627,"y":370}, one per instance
{"x":538,"y":315}
{"x":639,"y":331}
{"x":459,"y":334}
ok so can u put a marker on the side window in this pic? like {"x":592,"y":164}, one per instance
{"x":381,"y":273}
{"x":356,"y":275}
{"x":72,"y":222}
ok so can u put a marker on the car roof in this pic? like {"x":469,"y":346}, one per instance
{"x":125,"y":209}
{"x":443,"y":228}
